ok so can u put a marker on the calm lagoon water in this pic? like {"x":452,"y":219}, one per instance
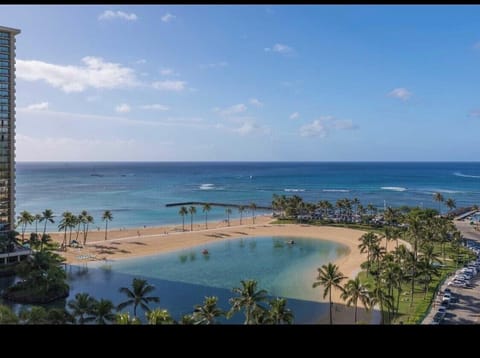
{"x":183,"y":278}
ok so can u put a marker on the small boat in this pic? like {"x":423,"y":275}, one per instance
{"x":291,"y":242}
{"x":205,"y":252}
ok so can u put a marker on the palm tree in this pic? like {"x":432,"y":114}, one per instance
{"x":44,"y":240}
{"x":241,"y":209}
{"x":228,"y":211}
{"x":25,"y":219}
{"x":83,"y":305}
{"x":208,"y":312}
{"x":438,"y":197}
{"x":249,"y":299}
{"x":125,"y":319}
{"x":88,"y":220}
{"x":192,"y":210}
{"x":103,"y":311}
{"x":330,"y":277}
{"x":380,"y":296}
{"x":183,"y":211}
{"x":367,"y":241}
{"x":371,"y":208}
{"x":107,"y":216}
{"x":206,"y":208}
{"x":138,"y":295}
{"x":279,"y":313}
{"x":159,"y":316}
{"x":450,"y":203}
{"x":253,"y":207}
{"x":37,"y":218}
{"x":47,"y":216}
{"x":354,"y":290}
{"x":64,"y":224}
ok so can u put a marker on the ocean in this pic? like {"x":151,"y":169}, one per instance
{"x":137,"y":192}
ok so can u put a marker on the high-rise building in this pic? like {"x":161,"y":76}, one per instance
{"x":7,"y":128}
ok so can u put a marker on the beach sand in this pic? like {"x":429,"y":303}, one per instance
{"x":127,"y":243}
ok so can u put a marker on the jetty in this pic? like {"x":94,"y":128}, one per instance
{"x":189,"y":203}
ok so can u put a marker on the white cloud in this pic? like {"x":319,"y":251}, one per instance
{"x":475,"y":113}
{"x":142,"y":61}
{"x":280,"y":48}
{"x":214,"y":65}
{"x":168,"y":17}
{"x":235,"y":109}
{"x":256,"y":102}
{"x":294,"y":115}
{"x":38,"y":106}
{"x":249,"y":126}
{"x":167,"y":72}
{"x":343,"y":124}
{"x":400,"y":93}
{"x":122,"y":108}
{"x":314,"y":129}
{"x":47,"y":115}
{"x":176,"y":86}
{"x":155,"y":107}
{"x":323,"y":125}
{"x":96,"y":74}
{"x":110,"y":15}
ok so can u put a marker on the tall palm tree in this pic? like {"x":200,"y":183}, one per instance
{"x":72,"y":222}
{"x":208,"y":312}
{"x":206,"y":208}
{"x":253,"y":207}
{"x":249,"y":300}
{"x":83,"y":307}
{"x":354,"y":290}
{"x":183,"y":211}
{"x":228,"y":211}
{"x":278,"y":312}
{"x":329,"y":277}
{"x":47,"y":216}
{"x":63,"y":225}
{"x":450,"y":203}
{"x":107,"y":216}
{"x":367,"y":241}
{"x":25,"y":219}
{"x":192,"y":210}
{"x":37,"y":218}
{"x":241,"y":209}
{"x":438,"y":197}
{"x":380,"y":295}
{"x":88,"y":220}
{"x":103,"y":311}
{"x":138,"y":295}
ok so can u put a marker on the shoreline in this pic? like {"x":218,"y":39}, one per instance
{"x":140,"y":242}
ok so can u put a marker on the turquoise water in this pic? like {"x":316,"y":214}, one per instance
{"x":183,"y":278}
{"x":136,"y":192}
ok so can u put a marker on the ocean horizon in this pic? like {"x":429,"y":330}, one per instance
{"x":137,"y":192}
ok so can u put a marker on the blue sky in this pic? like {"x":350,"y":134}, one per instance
{"x":247,"y":82}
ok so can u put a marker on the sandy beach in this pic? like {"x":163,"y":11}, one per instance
{"x":127,"y":243}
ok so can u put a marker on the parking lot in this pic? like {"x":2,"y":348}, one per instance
{"x":458,"y":300}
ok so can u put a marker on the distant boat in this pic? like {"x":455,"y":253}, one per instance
{"x":205,"y":252}
{"x":95,"y":174}
{"x":251,"y":176}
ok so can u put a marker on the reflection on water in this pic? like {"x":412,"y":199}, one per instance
{"x":181,"y":281}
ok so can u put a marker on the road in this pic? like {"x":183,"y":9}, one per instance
{"x":466,"y":309}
